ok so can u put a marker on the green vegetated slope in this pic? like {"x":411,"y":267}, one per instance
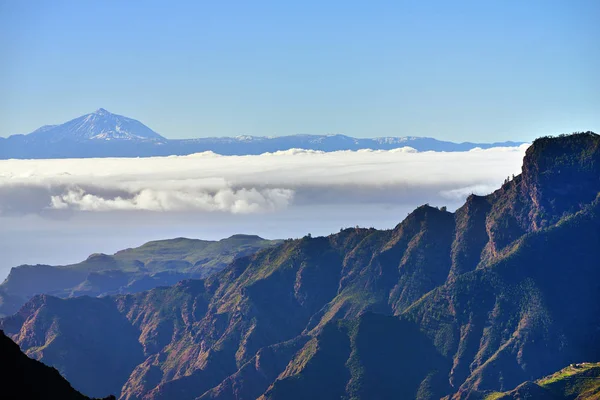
{"x":24,"y":378}
{"x":575,"y":382}
{"x":505,"y":290}
{"x":157,"y":263}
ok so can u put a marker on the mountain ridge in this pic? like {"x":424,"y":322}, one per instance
{"x":155,"y":263}
{"x":104,"y":134}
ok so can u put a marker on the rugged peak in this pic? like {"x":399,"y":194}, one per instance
{"x":551,"y":156}
{"x":474,"y":199}
{"x":562,"y":173}
{"x":421,"y":214}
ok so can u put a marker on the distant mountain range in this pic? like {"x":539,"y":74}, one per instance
{"x":157,"y":263}
{"x":483,"y":302}
{"x":103,"y":134}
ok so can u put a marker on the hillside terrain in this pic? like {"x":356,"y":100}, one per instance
{"x":104,"y":134}
{"x":24,"y":378}
{"x":575,"y":382}
{"x":157,"y":263}
{"x":457,"y":305}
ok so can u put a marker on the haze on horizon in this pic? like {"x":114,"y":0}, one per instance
{"x":60,"y":211}
{"x":469,"y":71}
{"x":474,"y":71}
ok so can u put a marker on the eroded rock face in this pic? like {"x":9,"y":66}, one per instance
{"x":502,"y":291}
{"x":79,"y":337}
{"x":562,"y":174}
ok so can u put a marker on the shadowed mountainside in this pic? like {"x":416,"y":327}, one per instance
{"x":24,"y":378}
{"x":504,"y":290}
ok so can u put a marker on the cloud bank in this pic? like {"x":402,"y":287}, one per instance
{"x":269,"y":182}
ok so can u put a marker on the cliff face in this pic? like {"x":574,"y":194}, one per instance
{"x":560,"y":176}
{"x":502,"y":291}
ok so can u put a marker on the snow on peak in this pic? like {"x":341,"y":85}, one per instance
{"x":99,"y":125}
{"x":102,"y":111}
{"x":244,"y":138}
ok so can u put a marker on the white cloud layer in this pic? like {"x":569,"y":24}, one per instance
{"x":251,"y":184}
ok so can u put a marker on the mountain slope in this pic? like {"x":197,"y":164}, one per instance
{"x":99,"y":125}
{"x":504,"y":323}
{"x":343,"y":361}
{"x":103,"y":134}
{"x":575,"y":382}
{"x":24,"y":378}
{"x":157,"y":263}
{"x":503,"y":291}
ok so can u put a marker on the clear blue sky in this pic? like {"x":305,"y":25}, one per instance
{"x":455,"y":70}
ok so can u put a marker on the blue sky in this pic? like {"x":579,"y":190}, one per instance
{"x":454,"y":70}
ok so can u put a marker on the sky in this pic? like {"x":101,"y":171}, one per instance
{"x":455,"y":70}
{"x":60,"y":211}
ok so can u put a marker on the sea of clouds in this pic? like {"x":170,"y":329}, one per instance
{"x":60,"y":211}
{"x":270,"y":182}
